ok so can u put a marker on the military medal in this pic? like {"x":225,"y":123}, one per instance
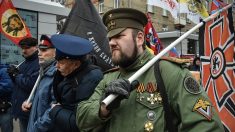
{"x":151,"y":115}
{"x":148,"y":126}
{"x":140,"y":90}
{"x":154,"y":96}
{"x":151,"y":88}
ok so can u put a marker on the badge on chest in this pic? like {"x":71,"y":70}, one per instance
{"x":148,"y":95}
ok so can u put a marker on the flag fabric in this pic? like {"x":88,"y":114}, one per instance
{"x":170,"y":5}
{"x":152,"y":40}
{"x":12,"y":26}
{"x":174,"y":53}
{"x":84,"y":21}
{"x":217,"y":53}
{"x":216,"y":5}
{"x":194,"y":9}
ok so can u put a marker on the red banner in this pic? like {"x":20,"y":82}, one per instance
{"x":152,"y":40}
{"x":218,"y":65}
{"x":12,"y":26}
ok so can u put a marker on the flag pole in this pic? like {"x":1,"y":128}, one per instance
{"x":34,"y":88}
{"x":111,"y":97}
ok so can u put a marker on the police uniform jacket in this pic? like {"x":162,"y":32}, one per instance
{"x":143,"y":110}
{"x":71,"y":90}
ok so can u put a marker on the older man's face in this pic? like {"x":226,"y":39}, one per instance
{"x":45,"y":55}
{"x":67,"y":66}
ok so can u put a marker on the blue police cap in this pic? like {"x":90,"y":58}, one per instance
{"x":70,"y":47}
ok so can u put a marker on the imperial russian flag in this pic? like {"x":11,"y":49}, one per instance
{"x":152,"y":40}
{"x":12,"y":26}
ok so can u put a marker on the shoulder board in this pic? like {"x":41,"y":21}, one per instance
{"x":111,"y":70}
{"x":176,"y":60}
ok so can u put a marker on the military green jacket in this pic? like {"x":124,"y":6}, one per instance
{"x":143,"y":111}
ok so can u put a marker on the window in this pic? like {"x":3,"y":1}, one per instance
{"x":101,"y":7}
{"x":164,"y":27}
{"x":191,"y":46}
{"x":150,"y":8}
{"x":164,"y":12}
{"x":116,"y":4}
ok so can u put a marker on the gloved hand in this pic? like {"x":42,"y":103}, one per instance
{"x":122,"y":88}
{"x":12,"y":71}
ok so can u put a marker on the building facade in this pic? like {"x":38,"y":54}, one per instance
{"x":48,"y":16}
{"x":41,"y":18}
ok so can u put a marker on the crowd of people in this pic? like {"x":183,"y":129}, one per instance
{"x":66,"y":89}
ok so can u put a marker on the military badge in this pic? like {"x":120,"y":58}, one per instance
{"x":151,"y":88}
{"x":191,"y":85}
{"x":154,"y":98}
{"x":148,"y":126}
{"x":151,"y":115}
{"x":203,"y":107}
{"x":140,"y":89}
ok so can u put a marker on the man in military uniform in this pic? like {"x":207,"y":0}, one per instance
{"x":142,"y":108}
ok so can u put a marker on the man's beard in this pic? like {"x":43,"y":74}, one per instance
{"x":126,"y":61}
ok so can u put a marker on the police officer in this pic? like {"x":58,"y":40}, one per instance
{"x":74,"y":81}
{"x":141,"y":108}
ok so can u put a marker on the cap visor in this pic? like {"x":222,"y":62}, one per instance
{"x":43,"y":47}
{"x":115,"y":32}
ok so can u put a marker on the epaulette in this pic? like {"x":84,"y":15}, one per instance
{"x":111,"y":70}
{"x":181,"y":62}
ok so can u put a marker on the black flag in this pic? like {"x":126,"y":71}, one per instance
{"x":84,"y":21}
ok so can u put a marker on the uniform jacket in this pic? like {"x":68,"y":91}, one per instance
{"x":39,"y":117}
{"x":69,"y":91}
{"x":23,"y":84}
{"x":141,"y":111}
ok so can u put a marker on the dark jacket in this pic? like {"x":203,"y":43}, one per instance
{"x":6,"y":84}
{"x":23,"y":84}
{"x":6,"y":87}
{"x":71,"y":90}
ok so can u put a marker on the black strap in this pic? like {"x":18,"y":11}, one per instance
{"x":166,"y":107}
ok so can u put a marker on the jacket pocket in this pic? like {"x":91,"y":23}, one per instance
{"x":149,"y":100}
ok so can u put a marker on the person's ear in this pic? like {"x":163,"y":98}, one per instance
{"x":140,"y":39}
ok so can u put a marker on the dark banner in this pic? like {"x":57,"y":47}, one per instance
{"x":84,"y":21}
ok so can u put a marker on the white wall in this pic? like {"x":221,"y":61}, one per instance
{"x":46,"y":24}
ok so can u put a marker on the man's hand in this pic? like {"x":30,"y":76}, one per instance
{"x":26,"y":106}
{"x":120,"y":87}
{"x":13,"y":71}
